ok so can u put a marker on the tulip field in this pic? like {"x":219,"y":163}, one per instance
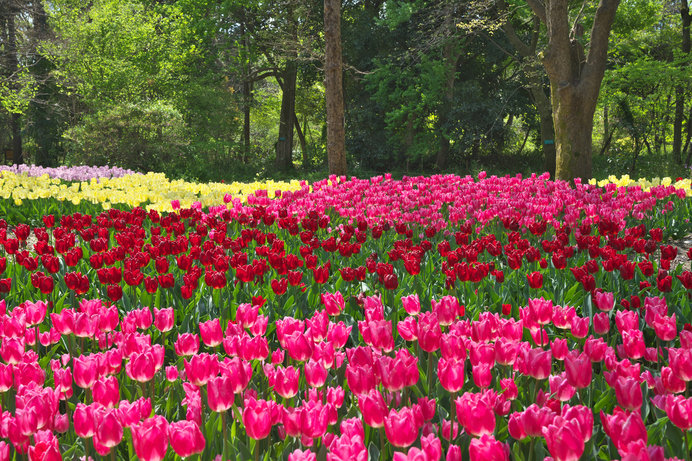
{"x":428,"y":318}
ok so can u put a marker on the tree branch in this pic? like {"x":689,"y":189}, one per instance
{"x":598,"y":48}
{"x":538,"y":8}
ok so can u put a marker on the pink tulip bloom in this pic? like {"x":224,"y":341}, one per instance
{"x":220,"y":395}
{"x":475,"y":414}
{"x":106,"y":391}
{"x":333,"y":302}
{"x":486,"y":448}
{"x":187,"y":344}
{"x":623,"y":428}
{"x":373,"y":408}
{"x":604,"y":301}
{"x":211,"y":333}
{"x":150,"y":438}
{"x":565,"y":443}
{"x":411,"y":304}
{"x":186,"y":438}
{"x":257,"y":418}
{"x":300,"y":455}
{"x":400,"y":427}
{"x":286,"y":381}
{"x":109,"y":428}
{"x":578,"y":369}
{"x":164,"y":319}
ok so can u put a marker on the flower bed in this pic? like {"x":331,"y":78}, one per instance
{"x":496,"y":317}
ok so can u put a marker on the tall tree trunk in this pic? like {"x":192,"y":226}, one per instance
{"x":575,"y":81}
{"x":333,"y":86}
{"x":247,"y":104}
{"x":450,"y":54}
{"x":13,"y":70}
{"x":284,"y":146}
{"x":679,"y":89}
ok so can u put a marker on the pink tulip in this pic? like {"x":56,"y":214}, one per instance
{"x":564,"y":440}
{"x":679,"y":411}
{"x":446,"y":309}
{"x":604,"y":301}
{"x":411,"y":304}
{"x":211,"y":333}
{"x":84,"y":371}
{"x":150,"y":438}
{"x":187,"y":344}
{"x":578,"y":369}
{"x":186,"y":438}
{"x":333,"y":302}
{"x":109,"y":428}
{"x":400,"y":427}
{"x":106,"y":391}
{"x":475,"y":414}
{"x":287,"y":381}
{"x":315,"y":373}
{"x":486,"y":448}
{"x":201,"y":368}
{"x":314,"y":419}
{"x":535,"y":363}
{"x":257,"y":418}
{"x":373,"y":408}
{"x":300,"y":455}
{"x":623,"y":428}
{"x":429,"y":332}
{"x":681,"y":363}
{"x":164,"y":319}
{"x":601,"y":323}
{"x":220,"y":395}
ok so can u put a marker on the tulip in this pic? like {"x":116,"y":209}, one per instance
{"x":186,"y":438}
{"x":628,"y":393}
{"x":315,"y":373}
{"x":411,"y":304}
{"x":400,"y":427}
{"x":84,"y":371}
{"x":257,"y":418}
{"x":679,"y":410}
{"x":314,"y":419}
{"x":201,"y":368}
{"x":486,"y":448}
{"x":187,"y":344}
{"x":211,"y":332}
{"x":300,"y":455}
{"x":429,"y":332}
{"x":106,"y":391}
{"x":604,"y":301}
{"x":535,"y":363}
{"x":578,"y":370}
{"x":623,"y":428}
{"x":109,"y":429}
{"x":287,"y":381}
{"x":333,"y":302}
{"x":220,"y":395}
{"x":150,"y":438}
{"x":373,"y":408}
{"x":475,"y":414}
{"x":564,"y":440}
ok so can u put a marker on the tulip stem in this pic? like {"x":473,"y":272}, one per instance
{"x":382,"y":444}
{"x":257,"y":442}
{"x":224,"y":432}
{"x":533,"y":442}
{"x":430,"y":370}
{"x":451,"y":419}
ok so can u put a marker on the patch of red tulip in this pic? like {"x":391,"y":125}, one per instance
{"x":497,"y":317}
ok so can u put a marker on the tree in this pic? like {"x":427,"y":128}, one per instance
{"x":680,"y":89}
{"x":575,"y":80}
{"x":334,"y":96}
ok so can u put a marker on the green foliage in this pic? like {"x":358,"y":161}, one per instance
{"x":145,"y":137}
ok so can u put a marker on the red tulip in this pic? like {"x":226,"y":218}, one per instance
{"x":186,"y":438}
{"x":257,"y":418}
{"x":150,"y":438}
{"x":535,"y":280}
{"x":400,"y":427}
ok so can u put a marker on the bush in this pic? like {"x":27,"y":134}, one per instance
{"x":149,"y":136}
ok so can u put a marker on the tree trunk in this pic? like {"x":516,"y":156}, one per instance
{"x":575,"y":81}
{"x":334,"y":92}
{"x":13,"y":70}
{"x":450,"y":54}
{"x":301,"y":139}
{"x":679,"y":89}
{"x":284,"y":146}
{"x":247,"y":104}
{"x":545,"y":113}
